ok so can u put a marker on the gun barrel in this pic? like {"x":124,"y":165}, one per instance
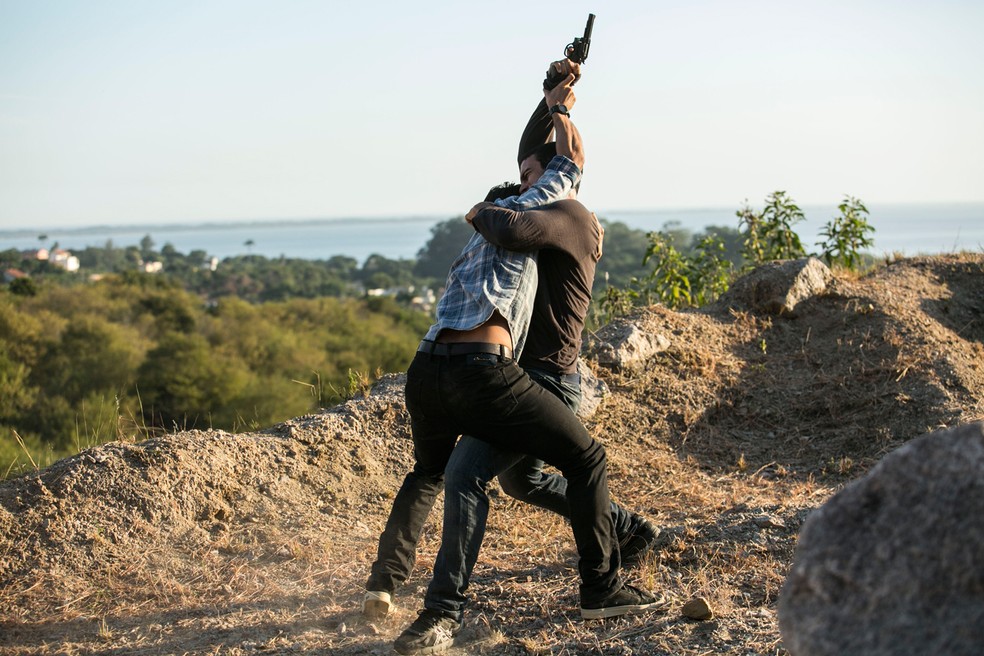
{"x":589,"y":27}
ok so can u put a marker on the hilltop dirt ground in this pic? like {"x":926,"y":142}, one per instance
{"x":212,"y":543}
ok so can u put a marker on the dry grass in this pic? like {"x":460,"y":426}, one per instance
{"x":210,"y":543}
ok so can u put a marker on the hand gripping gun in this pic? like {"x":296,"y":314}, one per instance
{"x":576,"y":52}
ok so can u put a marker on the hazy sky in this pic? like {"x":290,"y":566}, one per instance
{"x":137,"y":111}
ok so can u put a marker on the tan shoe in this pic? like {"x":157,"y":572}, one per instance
{"x":377,"y":604}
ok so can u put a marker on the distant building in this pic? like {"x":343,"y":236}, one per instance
{"x":11,"y":275}
{"x":424,"y":301}
{"x":152,"y":267}
{"x":40,"y":254}
{"x":63,"y":260}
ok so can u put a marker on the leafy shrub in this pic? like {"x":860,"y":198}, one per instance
{"x":769,"y":234}
{"x":846,"y":235}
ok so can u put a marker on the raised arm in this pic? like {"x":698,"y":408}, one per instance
{"x":561,"y":99}
{"x":541,"y":124}
{"x":537,"y":132}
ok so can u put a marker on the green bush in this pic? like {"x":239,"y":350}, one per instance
{"x":699,"y":274}
{"x":770,"y":234}
{"x":846,"y":235}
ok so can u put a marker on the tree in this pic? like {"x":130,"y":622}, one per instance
{"x":23,"y":287}
{"x":446,"y":241}
{"x":399,"y":272}
{"x":146,"y":247}
{"x":624,"y":249}
{"x":183,"y":382}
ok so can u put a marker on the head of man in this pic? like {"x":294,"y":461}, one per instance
{"x":501,"y":191}
{"x":534,"y":165}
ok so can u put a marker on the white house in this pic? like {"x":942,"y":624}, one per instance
{"x":63,"y":259}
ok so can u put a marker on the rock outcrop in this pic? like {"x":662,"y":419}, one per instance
{"x":778,"y":287}
{"x":891,"y":565}
{"x":624,"y":345}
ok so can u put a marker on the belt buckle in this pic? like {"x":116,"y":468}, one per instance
{"x":482,"y":359}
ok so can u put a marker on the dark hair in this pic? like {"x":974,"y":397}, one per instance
{"x":500,"y":191}
{"x":543,"y":153}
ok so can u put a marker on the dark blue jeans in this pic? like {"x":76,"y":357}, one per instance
{"x":474,"y":463}
{"x":497,"y":402}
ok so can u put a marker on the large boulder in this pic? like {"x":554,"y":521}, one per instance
{"x":593,"y":390}
{"x":894,"y":563}
{"x":622,"y":345}
{"x":778,"y":287}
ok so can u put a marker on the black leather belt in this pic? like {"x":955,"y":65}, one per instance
{"x":463,"y":348}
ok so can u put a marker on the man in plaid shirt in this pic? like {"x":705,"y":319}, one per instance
{"x":464,"y":379}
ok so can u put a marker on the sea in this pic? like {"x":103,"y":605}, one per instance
{"x":906,"y":229}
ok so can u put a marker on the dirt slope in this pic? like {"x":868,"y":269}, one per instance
{"x":212,"y":543}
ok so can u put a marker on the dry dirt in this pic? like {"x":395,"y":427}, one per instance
{"x":213,"y":543}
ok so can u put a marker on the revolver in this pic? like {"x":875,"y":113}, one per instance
{"x":576,"y":52}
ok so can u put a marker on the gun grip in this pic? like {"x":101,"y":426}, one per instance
{"x":553,"y":79}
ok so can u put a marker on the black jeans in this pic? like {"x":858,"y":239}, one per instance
{"x":496,"y":401}
{"x":473,"y":465}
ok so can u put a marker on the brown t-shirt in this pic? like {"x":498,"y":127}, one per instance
{"x":568,"y":239}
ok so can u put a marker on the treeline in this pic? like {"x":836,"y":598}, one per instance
{"x":257,"y":279}
{"x":132,"y":355}
{"x":113,"y":352}
{"x":250,"y":341}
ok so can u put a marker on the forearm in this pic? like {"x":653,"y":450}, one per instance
{"x":569,"y":142}
{"x":537,"y":131}
{"x":513,"y":230}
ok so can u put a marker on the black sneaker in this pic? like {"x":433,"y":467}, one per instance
{"x":431,"y":633}
{"x":637,"y":542}
{"x":627,"y":601}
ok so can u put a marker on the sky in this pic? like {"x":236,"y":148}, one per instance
{"x":136,"y":112}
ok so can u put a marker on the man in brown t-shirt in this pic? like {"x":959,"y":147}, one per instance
{"x":568,"y":240}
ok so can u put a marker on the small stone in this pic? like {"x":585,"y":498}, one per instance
{"x":697,"y":609}
{"x":768,"y":521}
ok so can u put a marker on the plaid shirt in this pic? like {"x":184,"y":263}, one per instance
{"x":486,"y":278}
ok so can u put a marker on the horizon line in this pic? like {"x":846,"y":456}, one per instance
{"x":190,"y":224}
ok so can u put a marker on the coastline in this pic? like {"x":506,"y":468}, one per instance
{"x":915,"y":228}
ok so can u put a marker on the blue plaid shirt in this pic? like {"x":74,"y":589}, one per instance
{"x":486,"y":278}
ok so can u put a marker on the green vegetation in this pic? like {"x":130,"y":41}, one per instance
{"x":846,"y":235}
{"x":135,"y":354}
{"x":769,"y":234}
{"x":703,"y":270}
{"x":250,"y":341}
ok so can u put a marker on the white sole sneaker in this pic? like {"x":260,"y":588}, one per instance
{"x":377,"y":603}
{"x":622,"y":609}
